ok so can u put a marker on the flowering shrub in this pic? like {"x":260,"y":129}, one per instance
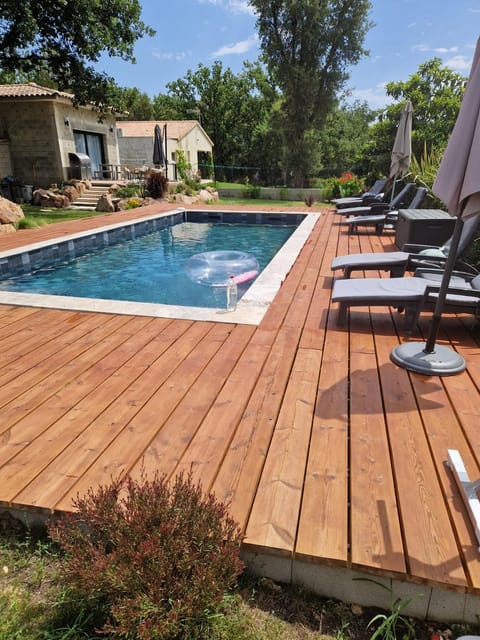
{"x":346,"y":185}
{"x":155,"y":558}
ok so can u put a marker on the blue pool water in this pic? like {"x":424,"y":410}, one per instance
{"x":151,"y":268}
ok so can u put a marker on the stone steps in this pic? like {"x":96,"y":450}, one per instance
{"x":87,"y":201}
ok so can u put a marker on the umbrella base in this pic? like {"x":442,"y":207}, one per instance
{"x":441,"y":362}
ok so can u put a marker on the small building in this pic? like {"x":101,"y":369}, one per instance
{"x":135,"y":144}
{"x":46,"y":139}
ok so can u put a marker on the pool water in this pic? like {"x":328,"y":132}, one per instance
{"x":151,"y":268}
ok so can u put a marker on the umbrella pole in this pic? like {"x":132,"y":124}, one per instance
{"x":428,"y":358}
{"x":442,"y":294}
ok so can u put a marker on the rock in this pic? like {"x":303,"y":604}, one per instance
{"x":71,"y":193}
{"x":39,"y":195}
{"x":105,"y":203}
{"x":7,"y":228}
{"x":9,"y":212}
{"x":207,"y":195}
{"x":114,"y":188}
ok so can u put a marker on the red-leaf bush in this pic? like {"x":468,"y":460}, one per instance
{"x":156,"y":184}
{"x":156,"y":557}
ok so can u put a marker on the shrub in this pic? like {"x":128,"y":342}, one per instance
{"x":130,"y":190}
{"x":346,"y":185}
{"x":133,"y":203}
{"x":156,"y":184}
{"x":155,"y":557}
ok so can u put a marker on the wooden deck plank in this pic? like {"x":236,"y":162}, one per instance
{"x":275,"y":512}
{"x":238,"y":477}
{"x":323,"y":447}
{"x":35,"y":385}
{"x":323,"y":526}
{"x":168,"y":447}
{"x":376,"y":539}
{"x":432,"y":552}
{"x":143,"y":408}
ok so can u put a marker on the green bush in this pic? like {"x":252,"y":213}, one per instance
{"x":346,"y":185}
{"x":155,"y":558}
{"x":130,"y":190}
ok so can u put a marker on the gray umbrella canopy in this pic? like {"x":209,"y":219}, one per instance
{"x":402,"y":147}
{"x":158,"y":152}
{"x":457,"y":184}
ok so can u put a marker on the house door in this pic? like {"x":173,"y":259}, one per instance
{"x":91,"y":144}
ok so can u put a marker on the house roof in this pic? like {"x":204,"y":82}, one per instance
{"x":31,"y":90}
{"x":176,"y":129}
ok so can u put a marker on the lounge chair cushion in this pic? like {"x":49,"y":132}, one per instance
{"x":387,"y":291}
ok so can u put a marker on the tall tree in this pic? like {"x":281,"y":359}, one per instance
{"x":65,"y":37}
{"x":135,"y":104}
{"x":436,"y":94}
{"x":232,"y":108}
{"x":308,"y":45}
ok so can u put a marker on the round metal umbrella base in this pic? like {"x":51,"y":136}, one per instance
{"x":441,"y":362}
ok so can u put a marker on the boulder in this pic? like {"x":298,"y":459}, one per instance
{"x":207,"y":195}
{"x":105,"y":203}
{"x":7,"y":228}
{"x":9,"y":212}
{"x":71,"y":193}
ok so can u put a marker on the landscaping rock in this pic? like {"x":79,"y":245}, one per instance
{"x":105,"y":204}
{"x":7,"y":228}
{"x":9,"y":212}
{"x":71,"y":193}
{"x":207,"y":195}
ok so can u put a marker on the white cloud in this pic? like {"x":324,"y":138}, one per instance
{"x":458,"y":63}
{"x":171,"y":55}
{"x":375,"y":96}
{"x":235,"y":6}
{"x":424,"y":47}
{"x":236,"y":49}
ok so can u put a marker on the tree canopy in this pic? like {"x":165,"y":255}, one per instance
{"x":436,"y":94}
{"x":63,"y":38}
{"x":308,"y":46}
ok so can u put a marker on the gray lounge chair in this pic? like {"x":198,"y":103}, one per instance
{"x":412,"y":256}
{"x":413,"y":294}
{"x":384,"y":220}
{"x":400,"y":201}
{"x":376,"y":189}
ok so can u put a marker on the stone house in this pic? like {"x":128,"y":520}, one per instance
{"x":45,"y":139}
{"x":135,"y":144}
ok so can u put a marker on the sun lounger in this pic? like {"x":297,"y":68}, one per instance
{"x":412,"y":256}
{"x":376,"y":189}
{"x":411,"y":294}
{"x":386,"y":220}
{"x":400,"y":201}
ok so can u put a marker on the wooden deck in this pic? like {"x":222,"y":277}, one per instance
{"x":332,"y":458}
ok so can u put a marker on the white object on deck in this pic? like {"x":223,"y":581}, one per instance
{"x":467,"y":488}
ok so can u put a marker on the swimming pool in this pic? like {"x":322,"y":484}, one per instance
{"x":162,"y":245}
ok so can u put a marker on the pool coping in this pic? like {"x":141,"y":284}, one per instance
{"x":250,"y":309}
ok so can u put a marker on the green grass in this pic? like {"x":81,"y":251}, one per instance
{"x":34,"y":605}
{"x":37,"y":216}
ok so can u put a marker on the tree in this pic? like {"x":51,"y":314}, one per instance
{"x":136,"y":104}
{"x":436,"y":94}
{"x":234,"y":110}
{"x":307,"y":46}
{"x":343,"y":137}
{"x":64,"y":37}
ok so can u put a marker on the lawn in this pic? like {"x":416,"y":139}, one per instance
{"x":34,"y":604}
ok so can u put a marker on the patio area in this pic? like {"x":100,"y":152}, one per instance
{"x":332,"y":458}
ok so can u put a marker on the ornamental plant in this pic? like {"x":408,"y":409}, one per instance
{"x":348,"y":184}
{"x":154,"y":557}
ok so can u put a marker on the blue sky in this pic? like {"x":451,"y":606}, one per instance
{"x":406,"y":33}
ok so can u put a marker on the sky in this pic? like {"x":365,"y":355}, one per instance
{"x":405,"y":34}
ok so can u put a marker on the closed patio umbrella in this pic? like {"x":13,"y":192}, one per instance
{"x":457,"y":184}
{"x":158,"y":152}
{"x":402,"y":147}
